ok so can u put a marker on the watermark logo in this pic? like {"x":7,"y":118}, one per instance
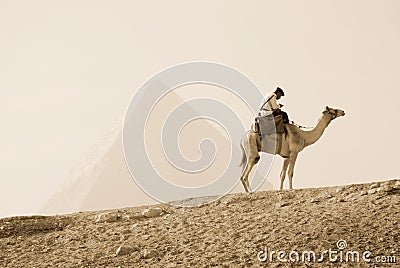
{"x":341,"y":254}
{"x":154,"y":172}
{"x":341,"y":244}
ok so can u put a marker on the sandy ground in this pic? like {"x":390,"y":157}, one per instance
{"x":234,"y":231}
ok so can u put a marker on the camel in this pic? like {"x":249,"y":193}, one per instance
{"x":294,"y":142}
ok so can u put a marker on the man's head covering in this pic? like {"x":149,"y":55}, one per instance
{"x":278,"y":89}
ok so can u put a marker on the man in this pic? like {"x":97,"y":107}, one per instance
{"x":271,"y":106}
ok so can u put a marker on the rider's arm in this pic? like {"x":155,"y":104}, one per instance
{"x":272,"y":103}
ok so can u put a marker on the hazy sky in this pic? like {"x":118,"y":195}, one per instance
{"x":69,"y":69}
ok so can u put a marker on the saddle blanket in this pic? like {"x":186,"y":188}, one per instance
{"x":271,"y":144}
{"x":270,"y":124}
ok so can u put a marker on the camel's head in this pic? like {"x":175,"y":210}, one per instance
{"x":334,"y":113}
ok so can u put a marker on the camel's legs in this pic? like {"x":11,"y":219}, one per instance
{"x":292,"y":161}
{"x":245,"y":176}
{"x":251,"y":161}
{"x":252,"y":158}
{"x":283,"y":172}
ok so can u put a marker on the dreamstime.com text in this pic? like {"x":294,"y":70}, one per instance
{"x":341,"y":254}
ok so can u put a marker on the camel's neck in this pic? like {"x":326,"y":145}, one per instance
{"x":315,"y":134}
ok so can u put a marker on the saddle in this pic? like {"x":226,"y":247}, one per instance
{"x":271,"y":130}
{"x":270,"y":124}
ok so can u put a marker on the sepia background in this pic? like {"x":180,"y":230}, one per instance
{"x":70,"y":68}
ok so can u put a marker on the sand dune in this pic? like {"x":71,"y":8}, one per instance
{"x":234,"y":231}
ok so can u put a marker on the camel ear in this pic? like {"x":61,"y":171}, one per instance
{"x":327,"y":108}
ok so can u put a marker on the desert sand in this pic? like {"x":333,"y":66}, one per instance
{"x":230,"y":232}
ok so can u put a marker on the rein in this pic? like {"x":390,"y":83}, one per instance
{"x":297,"y":125}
